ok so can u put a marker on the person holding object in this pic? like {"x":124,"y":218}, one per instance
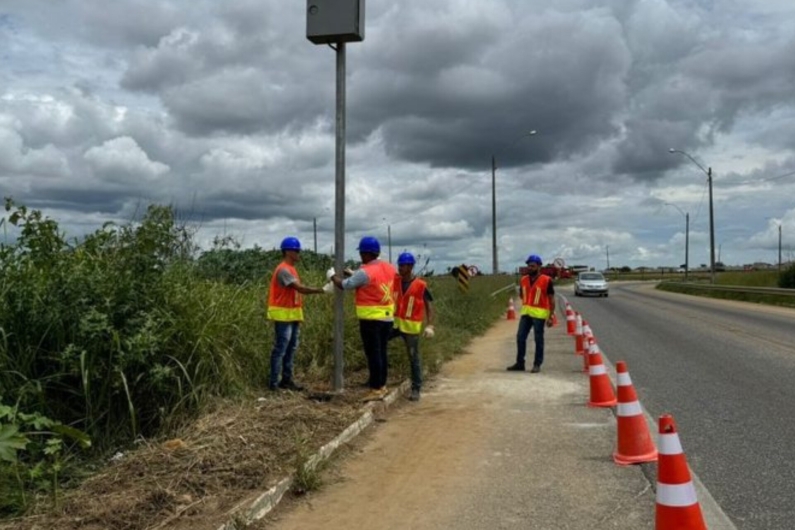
{"x":285,"y":309}
{"x":538,"y":309}
{"x":414,"y":307}
{"x":375,"y":309}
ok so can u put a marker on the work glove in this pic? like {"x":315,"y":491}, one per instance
{"x":330,"y":273}
{"x":348,"y":272}
{"x":328,"y":288}
{"x":428,"y":332}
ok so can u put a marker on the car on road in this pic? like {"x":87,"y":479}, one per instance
{"x":590,"y":283}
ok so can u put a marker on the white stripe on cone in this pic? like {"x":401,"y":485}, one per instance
{"x":629,"y":409}
{"x":676,"y":495}
{"x":669,"y":444}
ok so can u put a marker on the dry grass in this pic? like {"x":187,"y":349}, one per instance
{"x":194,"y":480}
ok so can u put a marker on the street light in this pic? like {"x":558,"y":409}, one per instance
{"x":494,"y":261}
{"x":687,"y":237}
{"x":708,"y":172}
{"x":389,"y":238}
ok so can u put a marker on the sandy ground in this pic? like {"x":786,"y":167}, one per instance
{"x":486,"y":448}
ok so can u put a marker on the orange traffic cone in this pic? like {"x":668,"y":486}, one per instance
{"x":602,"y":394}
{"x":634,"y":439}
{"x":571,"y":322}
{"x":592,"y":347}
{"x":677,"y":505}
{"x":511,"y":315}
{"x":579,"y":336}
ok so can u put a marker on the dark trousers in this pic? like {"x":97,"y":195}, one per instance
{"x":526,"y":323}
{"x":412,"y":343}
{"x":375,"y":335}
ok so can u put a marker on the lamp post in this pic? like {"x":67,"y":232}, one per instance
{"x":708,"y":172}
{"x":389,"y":238}
{"x":494,"y":260}
{"x":687,"y":237}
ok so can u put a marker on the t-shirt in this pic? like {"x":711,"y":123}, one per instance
{"x":285,"y":278}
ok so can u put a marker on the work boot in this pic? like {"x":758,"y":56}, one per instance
{"x":290,"y":385}
{"x":415,"y":394}
{"x":516,"y":368}
{"x":375,"y":394}
{"x":536,"y":368}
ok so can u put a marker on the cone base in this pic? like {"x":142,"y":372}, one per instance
{"x":609,"y":403}
{"x":628,"y":460}
{"x":679,"y":518}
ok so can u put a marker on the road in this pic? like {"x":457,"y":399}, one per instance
{"x":726,"y":371}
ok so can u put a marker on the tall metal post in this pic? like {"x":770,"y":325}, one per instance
{"x":687,"y":244}
{"x":779,"y":248}
{"x":389,"y":240}
{"x":494,"y":265}
{"x":711,"y":230}
{"x":339,"y":221}
{"x":314,"y":229}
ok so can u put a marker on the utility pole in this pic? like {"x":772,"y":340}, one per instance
{"x":687,"y":244}
{"x":494,"y":267}
{"x":711,"y":231}
{"x":314,"y":228}
{"x":779,"y":248}
{"x":607,"y":250}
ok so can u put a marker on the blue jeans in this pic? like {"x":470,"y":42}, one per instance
{"x":526,"y":323}
{"x":283,"y":353}
{"x":412,"y":343}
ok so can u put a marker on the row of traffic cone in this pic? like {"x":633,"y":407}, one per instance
{"x":677,"y":506}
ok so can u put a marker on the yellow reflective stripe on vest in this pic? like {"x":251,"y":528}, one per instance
{"x":374,"y":312}
{"x":411,"y":327}
{"x":535,"y":312}
{"x":286,"y":314}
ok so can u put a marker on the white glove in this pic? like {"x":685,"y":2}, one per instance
{"x":348,"y":271}
{"x":328,"y":288}
{"x":330,"y":273}
{"x":428,"y":332}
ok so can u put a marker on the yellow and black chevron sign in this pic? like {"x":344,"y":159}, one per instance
{"x":462,"y":275}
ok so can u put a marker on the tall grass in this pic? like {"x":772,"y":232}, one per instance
{"x":125,"y":331}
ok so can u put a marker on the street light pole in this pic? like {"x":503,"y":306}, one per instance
{"x":494,"y":261}
{"x":687,"y":237}
{"x":389,"y":240}
{"x":711,"y":214}
{"x":779,"y":248}
{"x":494,"y":265}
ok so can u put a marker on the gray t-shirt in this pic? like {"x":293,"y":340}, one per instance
{"x":284,"y":277}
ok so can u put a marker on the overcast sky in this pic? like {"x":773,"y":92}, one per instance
{"x":226,"y":110}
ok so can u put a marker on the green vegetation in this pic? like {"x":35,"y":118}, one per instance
{"x":132,"y":329}
{"x":768,"y":278}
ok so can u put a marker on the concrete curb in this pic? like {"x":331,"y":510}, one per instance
{"x":249,"y":511}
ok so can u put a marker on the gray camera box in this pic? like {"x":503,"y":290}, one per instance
{"x":330,"y":21}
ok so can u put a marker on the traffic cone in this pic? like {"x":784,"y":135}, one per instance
{"x":579,"y":336}
{"x":592,"y":347}
{"x":634,"y":439}
{"x":677,"y":505}
{"x":571,"y":322}
{"x":511,"y":310}
{"x":602,"y":394}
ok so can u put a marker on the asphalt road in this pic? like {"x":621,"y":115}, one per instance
{"x":726,"y":371}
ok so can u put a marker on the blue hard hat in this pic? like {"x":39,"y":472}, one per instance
{"x":291,"y":243}
{"x":534,"y":258}
{"x":406,"y":258}
{"x":369,"y":244}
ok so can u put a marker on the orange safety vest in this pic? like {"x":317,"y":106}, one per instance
{"x":410,"y":312}
{"x":375,"y":301}
{"x":285,"y":304}
{"x":535,"y":300}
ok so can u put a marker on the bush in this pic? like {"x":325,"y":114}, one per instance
{"x":786,"y":280}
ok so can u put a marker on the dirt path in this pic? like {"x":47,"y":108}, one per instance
{"x":486,"y":448}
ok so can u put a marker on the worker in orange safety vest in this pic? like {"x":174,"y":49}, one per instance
{"x":538,"y":310}
{"x":285,"y":309}
{"x":414,"y":307}
{"x":375,"y":309}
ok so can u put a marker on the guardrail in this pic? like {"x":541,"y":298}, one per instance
{"x":737,"y":288}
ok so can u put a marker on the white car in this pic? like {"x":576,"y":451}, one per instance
{"x":590,"y":283}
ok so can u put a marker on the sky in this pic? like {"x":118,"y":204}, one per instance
{"x":226,"y":111}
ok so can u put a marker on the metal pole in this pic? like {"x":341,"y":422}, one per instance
{"x":339,"y":224}
{"x":711,"y":231}
{"x":314,"y":228}
{"x":687,"y":244}
{"x":779,"y":248}
{"x":494,"y":265}
{"x":389,"y":240}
